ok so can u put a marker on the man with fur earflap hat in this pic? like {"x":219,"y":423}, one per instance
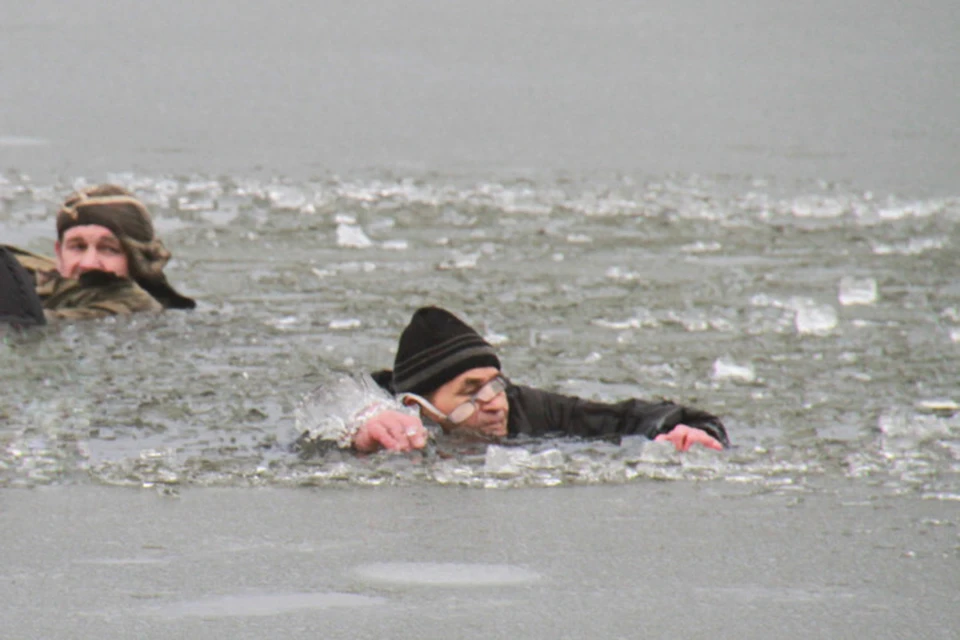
{"x":452,"y":376}
{"x":108,"y":261}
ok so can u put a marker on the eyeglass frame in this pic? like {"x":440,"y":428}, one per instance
{"x":497,"y":380}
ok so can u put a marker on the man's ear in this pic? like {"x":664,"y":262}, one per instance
{"x":57,"y":248}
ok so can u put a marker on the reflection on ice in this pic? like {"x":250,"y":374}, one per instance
{"x":724,"y":369}
{"x":286,"y":197}
{"x":22,"y":141}
{"x":623,"y":275}
{"x":344,"y":324}
{"x":818,"y":208}
{"x":446,"y":574}
{"x":630,"y":323}
{"x":912,"y":247}
{"x":702,"y":247}
{"x":459,"y":260}
{"x":266,"y":604}
{"x":395,"y":245}
{"x":281,"y":323}
{"x":944,"y":406}
{"x":904,"y":429}
{"x":914,"y":209}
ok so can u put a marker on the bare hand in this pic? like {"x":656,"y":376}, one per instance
{"x":391,"y":430}
{"x":684,"y":437}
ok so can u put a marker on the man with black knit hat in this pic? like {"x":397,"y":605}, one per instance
{"x":453,"y":376}
{"x":108,"y":259}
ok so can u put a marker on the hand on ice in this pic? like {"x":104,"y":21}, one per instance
{"x":684,"y":437}
{"x":391,"y":430}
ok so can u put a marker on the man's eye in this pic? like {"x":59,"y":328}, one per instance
{"x":111,"y":250}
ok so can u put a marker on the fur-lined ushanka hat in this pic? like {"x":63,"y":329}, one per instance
{"x":115,"y":208}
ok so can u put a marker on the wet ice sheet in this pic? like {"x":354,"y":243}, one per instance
{"x":570,"y":562}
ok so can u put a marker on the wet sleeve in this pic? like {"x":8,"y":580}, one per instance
{"x":541,"y":413}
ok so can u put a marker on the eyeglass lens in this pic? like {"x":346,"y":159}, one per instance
{"x":486,"y":393}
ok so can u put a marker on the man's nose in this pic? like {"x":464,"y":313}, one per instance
{"x":496,"y":403}
{"x":90,"y":260}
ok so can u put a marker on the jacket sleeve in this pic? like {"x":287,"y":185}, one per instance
{"x":33,"y":262}
{"x":19,"y":303}
{"x":535,"y":412}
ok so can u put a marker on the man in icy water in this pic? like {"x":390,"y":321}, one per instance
{"x":108,"y":261}
{"x":452,"y":377}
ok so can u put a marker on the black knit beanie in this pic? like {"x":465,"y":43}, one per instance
{"x":435,"y":348}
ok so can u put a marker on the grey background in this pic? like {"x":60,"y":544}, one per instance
{"x":857,"y":91}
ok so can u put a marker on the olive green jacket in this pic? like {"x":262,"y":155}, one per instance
{"x":94,"y":294}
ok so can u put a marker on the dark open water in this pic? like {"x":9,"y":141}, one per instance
{"x":748,"y":208}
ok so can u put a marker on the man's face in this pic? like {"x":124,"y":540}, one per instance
{"x":490,"y":417}
{"x":90,"y":247}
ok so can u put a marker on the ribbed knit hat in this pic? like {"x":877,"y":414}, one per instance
{"x":115,"y":208}
{"x":435,"y":348}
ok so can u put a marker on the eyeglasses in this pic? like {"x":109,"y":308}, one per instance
{"x":461,"y":412}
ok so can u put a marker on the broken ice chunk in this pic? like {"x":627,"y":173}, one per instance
{"x":814,"y":319}
{"x":857,"y":291}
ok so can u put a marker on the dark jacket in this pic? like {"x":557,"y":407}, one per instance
{"x":20,"y":305}
{"x":537,"y":413}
